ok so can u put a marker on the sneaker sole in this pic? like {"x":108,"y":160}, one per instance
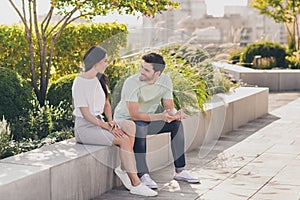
{"x":133,"y":193}
{"x":152,"y":186}
{"x":185,"y":180}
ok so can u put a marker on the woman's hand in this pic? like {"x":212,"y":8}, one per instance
{"x":115,"y":129}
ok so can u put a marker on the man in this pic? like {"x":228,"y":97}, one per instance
{"x":141,"y":95}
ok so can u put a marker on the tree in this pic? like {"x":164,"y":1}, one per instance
{"x":41,"y":52}
{"x":282,"y":11}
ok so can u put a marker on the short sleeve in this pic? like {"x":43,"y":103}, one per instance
{"x":130,"y":90}
{"x":78,"y":95}
{"x":169,"y":88}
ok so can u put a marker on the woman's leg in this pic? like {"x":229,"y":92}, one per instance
{"x":129,"y":129}
{"x":127,"y":158}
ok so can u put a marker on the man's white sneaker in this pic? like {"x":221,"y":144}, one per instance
{"x":146,"y":180}
{"x":124,"y":177}
{"x":143,"y":190}
{"x":185,"y":176}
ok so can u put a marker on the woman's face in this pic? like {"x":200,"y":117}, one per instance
{"x":102,"y":64}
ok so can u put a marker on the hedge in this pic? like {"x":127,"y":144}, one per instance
{"x":265,"y":49}
{"x":69,"y":49}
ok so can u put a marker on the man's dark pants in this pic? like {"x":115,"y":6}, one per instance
{"x":156,"y":127}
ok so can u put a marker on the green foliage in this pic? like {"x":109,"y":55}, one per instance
{"x":5,"y":138}
{"x":235,"y":55}
{"x":61,"y":90}
{"x":294,"y":60}
{"x":265,"y":49}
{"x":78,"y":38}
{"x":42,"y":121}
{"x":279,"y":10}
{"x":69,"y":49}
{"x":15,"y":95}
{"x":64,"y":134}
{"x":282,"y":11}
{"x":14,"y":53}
{"x":92,"y":8}
{"x":37,"y":124}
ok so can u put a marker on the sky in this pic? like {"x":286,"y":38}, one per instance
{"x":214,"y":7}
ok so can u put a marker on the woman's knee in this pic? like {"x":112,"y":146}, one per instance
{"x":125,"y":141}
{"x":129,"y":127}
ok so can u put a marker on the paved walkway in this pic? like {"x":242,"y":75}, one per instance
{"x":258,"y":161}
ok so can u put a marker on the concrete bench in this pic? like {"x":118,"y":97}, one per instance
{"x":67,"y":170}
{"x":275,"y":80}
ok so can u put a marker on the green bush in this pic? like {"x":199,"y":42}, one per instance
{"x":69,"y":49}
{"x":294,"y":60}
{"x":265,"y":49}
{"x":60,"y":90}
{"x":5,"y":138}
{"x":76,"y":39}
{"x":235,"y":55}
{"x":14,"y":52}
{"x":37,"y":124}
{"x":16,"y":95}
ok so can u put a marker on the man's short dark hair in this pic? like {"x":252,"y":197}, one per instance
{"x":156,"y":60}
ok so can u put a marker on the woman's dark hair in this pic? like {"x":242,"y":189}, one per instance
{"x":104,"y":83}
{"x":156,"y":60}
{"x":92,"y":56}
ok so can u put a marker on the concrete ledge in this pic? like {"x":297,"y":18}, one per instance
{"x":67,"y":170}
{"x":226,"y":113}
{"x":275,"y":80}
{"x":64,"y":170}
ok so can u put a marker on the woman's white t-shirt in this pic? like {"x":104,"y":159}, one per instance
{"x":88,"y":93}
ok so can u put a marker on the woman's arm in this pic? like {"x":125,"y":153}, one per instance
{"x":93,"y":119}
{"x":108,"y":110}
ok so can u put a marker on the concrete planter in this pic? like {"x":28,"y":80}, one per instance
{"x":67,"y":170}
{"x":275,"y":80}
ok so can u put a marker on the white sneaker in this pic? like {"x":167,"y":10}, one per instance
{"x":185,"y":176}
{"x":146,"y":180}
{"x":143,"y":190}
{"x":124,"y":177}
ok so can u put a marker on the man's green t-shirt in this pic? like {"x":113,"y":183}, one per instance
{"x":147,"y":95}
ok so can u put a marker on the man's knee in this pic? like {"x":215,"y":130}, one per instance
{"x":176,"y":125}
{"x":141,"y":129}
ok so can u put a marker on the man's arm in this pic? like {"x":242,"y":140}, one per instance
{"x":169,"y":105}
{"x":135,"y":114}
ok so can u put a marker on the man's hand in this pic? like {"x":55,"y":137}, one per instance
{"x":179,"y":115}
{"x":167,"y":117}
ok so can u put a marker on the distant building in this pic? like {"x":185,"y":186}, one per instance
{"x":240,"y":25}
{"x":257,"y":27}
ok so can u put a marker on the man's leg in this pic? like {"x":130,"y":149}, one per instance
{"x":177,"y":139}
{"x":140,"y":147}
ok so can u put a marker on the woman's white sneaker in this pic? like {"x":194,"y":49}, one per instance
{"x":142,"y":190}
{"x":185,"y":176}
{"x":124,"y":177}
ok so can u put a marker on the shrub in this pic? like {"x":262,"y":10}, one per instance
{"x":235,"y":55}
{"x":69,"y":49}
{"x":294,"y":60}
{"x":16,"y":95}
{"x":37,"y":124}
{"x":265,"y":50}
{"x":60,"y":90}
{"x":5,"y":138}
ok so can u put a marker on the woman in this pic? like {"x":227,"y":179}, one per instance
{"x":90,"y":101}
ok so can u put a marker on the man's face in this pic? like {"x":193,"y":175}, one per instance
{"x":147,"y":73}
